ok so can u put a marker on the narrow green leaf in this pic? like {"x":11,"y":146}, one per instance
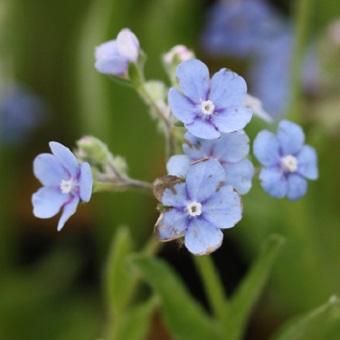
{"x":213,"y":286}
{"x":184,"y":317}
{"x":134,"y":324}
{"x":321,"y":323}
{"x":250,"y":289}
{"x":119,"y":279}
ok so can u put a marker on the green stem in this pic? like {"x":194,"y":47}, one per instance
{"x":127,"y":184}
{"x":212,"y":284}
{"x":303,"y":10}
{"x":170,"y":140}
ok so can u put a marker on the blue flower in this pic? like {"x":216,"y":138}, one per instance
{"x":287,"y":161}
{"x":199,"y":208}
{"x":230,"y":150}
{"x":238,"y":28}
{"x":20,"y":113}
{"x":65,"y":182}
{"x":274,"y":62}
{"x":113,"y":57}
{"x":209,"y":107}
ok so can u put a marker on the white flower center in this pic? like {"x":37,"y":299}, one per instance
{"x":289,"y":163}
{"x":194,"y":209}
{"x":67,"y":186}
{"x":207,"y":107}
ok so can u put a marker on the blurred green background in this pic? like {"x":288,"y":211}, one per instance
{"x":50,"y":286}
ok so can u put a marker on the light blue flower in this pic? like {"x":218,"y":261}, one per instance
{"x":113,"y":57}
{"x":199,"y":208}
{"x":238,"y":28}
{"x":65,"y":182}
{"x":230,"y":150}
{"x":287,"y":161}
{"x":209,"y":107}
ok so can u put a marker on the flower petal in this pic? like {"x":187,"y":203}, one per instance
{"x":116,"y":66}
{"x":273,"y":182}
{"x":128,"y":45}
{"x":85,"y":182}
{"x":106,"y":50}
{"x":175,"y":197}
{"x":231,"y":147}
{"x":202,"y":238}
{"x":65,"y":157}
{"x":308,"y":162}
{"x":193,"y":77}
{"x":172,"y":225}
{"x":108,"y":59}
{"x":232,"y":119}
{"x":48,"y":170}
{"x":239,"y":175}
{"x":203,"y":129}
{"x":224,"y":209}
{"x":297,"y":187}
{"x":266,"y":148}
{"x":182,"y":108}
{"x":204,"y":179}
{"x":197,"y":148}
{"x":290,"y":137}
{"x":69,"y":209}
{"x":227,"y":89}
{"x":47,"y":202}
{"x":178,"y":165}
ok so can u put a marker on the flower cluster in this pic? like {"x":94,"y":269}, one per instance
{"x":239,"y":28}
{"x":201,"y":194}
{"x":214,"y":168}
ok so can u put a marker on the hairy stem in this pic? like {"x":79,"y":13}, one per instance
{"x":170,"y":140}
{"x":111,"y":184}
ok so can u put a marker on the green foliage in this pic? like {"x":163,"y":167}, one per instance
{"x":120,"y":281}
{"x":184,"y":317}
{"x":134,"y":324}
{"x":321,"y":323}
{"x":34,"y":303}
{"x":126,"y":321}
{"x":247,"y":294}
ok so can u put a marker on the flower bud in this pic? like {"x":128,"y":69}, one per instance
{"x":93,"y":150}
{"x":128,"y":45}
{"x":177,"y":54}
{"x":114,"y":57}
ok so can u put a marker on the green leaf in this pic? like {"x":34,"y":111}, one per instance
{"x":134,"y":325}
{"x":120,"y":281}
{"x":246,"y":296}
{"x":184,"y":317}
{"x":321,"y":323}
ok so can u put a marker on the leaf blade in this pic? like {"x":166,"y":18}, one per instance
{"x":313,"y":324}
{"x":184,"y":317}
{"x":247,"y":294}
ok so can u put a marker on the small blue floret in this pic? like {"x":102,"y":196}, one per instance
{"x":287,"y":161}
{"x":209,"y":107}
{"x":65,"y":182}
{"x":199,"y":208}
